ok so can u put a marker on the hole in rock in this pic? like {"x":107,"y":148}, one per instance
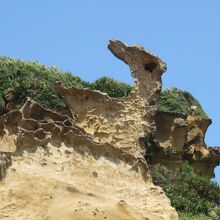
{"x":68,"y":123}
{"x":150,"y":66}
{"x":40,"y":134}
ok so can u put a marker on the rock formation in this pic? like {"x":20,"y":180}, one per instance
{"x":179,"y":137}
{"x":123,"y":122}
{"x":90,"y":165}
{"x":49,"y":150}
{"x":175,"y":137}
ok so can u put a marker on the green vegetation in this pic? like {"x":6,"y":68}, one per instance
{"x":189,"y":193}
{"x":187,"y":216}
{"x":23,"y":78}
{"x":20,"y":79}
{"x":113,"y":87}
{"x":175,"y":100}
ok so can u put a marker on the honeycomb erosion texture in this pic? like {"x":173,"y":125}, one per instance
{"x":126,"y":121}
{"x":91,"y":164}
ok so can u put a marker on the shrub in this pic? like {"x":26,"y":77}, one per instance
{"x":188,"y":192}
{"x":25,"y":78}
{"x":113,"y":88}
{"x":175,"y":100}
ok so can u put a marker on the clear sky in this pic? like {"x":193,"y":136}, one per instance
{"x":73,"y":35}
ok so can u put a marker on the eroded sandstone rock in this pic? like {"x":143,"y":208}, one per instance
{"x":99,"y":149}
{"x":54,"y":159}
{"x":126,"y":121}
{"x":89,"y":164}
{"x":180,"y":138}
{"x":33,"y":125}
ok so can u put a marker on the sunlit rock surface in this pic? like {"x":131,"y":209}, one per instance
{"x":123,"y":122}
{"x":89,"y":165}
{"x":92,"y":163}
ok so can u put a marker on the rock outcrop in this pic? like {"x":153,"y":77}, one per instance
{"x":179,"y":137}
{"x":33,"y":125}
{"x":175,"y":137}
{"x":90,"y":165}
{"x":123,"y":122}
{"x":58,"y":171}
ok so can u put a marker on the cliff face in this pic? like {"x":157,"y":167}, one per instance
{"x":89,"y":165}
{"x":58,"y":171}
{"x":179,"y":137}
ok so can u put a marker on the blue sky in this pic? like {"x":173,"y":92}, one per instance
{"x":73,"y":35}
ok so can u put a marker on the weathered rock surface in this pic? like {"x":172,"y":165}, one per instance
{"x":90,"y":165}
{"x":179,"y":138}
{"x":60,"y":172}
{"x":123,"y":122}
{"x":5,"y":162}
{"x":63,"y":183}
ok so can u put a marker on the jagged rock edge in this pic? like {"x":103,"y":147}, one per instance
{"x":71,"y":135}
